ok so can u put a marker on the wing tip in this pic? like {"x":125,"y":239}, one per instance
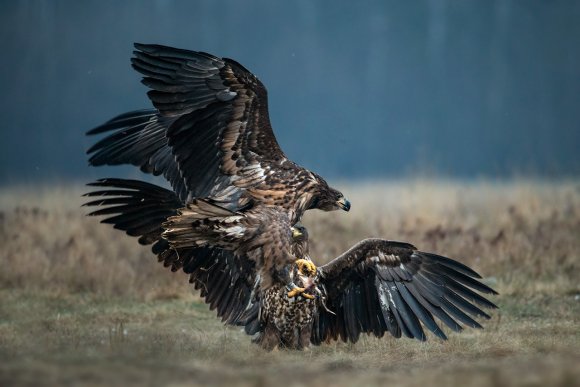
{"x":145,"y":47}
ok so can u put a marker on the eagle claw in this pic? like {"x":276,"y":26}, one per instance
{"x":300,"y":291}
{"x":306,"y":267}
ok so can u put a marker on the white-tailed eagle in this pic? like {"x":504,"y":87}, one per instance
{"x":229,"y":219}
{"x":256,"y":271}
{"x":210,"y":136}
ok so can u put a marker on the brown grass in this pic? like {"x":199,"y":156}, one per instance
{"x":82,"y":302}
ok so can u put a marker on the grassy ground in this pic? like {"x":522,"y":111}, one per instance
{"x":83,"y":303}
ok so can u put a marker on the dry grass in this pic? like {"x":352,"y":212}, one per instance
{"x":81,"y":302}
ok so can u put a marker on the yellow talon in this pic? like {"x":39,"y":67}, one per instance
{"x":294,"y":292}
{"x":309,"y":296}
{"x":306,"y":267}
{"x":299,"y":291}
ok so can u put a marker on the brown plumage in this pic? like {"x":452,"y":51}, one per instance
{"x":377,"y":286}
{"x":261,"y":234}
{"x":227,"y":222}
{"x":226,"y":280}
{"x":243,"y":262}
{"x":210,"y":136}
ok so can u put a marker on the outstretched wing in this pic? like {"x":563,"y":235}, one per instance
{"x":225,"y":280}
{"x":212,"y":115}
{"x":134,"y":206}
{"x":138,"y":138}
{"x":381,"y":286}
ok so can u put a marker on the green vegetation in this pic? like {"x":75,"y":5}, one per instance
{"x":82,"y":303}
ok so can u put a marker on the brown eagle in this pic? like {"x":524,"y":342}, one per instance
{"x":377,"y":286}
{"x":210,"y":136}
{"x":228,"y":221}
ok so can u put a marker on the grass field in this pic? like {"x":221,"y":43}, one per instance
{"x":82,"y":303}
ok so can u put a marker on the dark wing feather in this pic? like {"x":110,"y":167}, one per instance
{"x":225,"y":279}
{"x":211,"y":129}
{"x":222,"y":132}
{"x":138,"y":138}
{"x":141,"y":207}
{"x":381,"y":286}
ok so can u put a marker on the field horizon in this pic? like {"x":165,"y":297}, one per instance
{"x":83,"y":303}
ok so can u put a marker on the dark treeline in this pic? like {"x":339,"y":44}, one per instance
{"x":357,"y":89}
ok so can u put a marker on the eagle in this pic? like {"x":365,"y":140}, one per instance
{"x":231,"y":218}
{"x":210,"y":136}
{"x":378,"y":286}
{"x":241,"y":262}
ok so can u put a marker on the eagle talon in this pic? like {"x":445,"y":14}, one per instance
{"x":300,"y":292}
{"x":309,"y":296}
{"x":306,"y":267}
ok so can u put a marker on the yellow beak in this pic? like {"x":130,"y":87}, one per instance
{"x":296,"y":233}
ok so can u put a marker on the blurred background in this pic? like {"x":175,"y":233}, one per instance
{"x":363,"y":90}
{"x":453,"y":125}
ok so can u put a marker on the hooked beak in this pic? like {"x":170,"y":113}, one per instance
{"x":343,"y":203}
{"x":296,"y":233}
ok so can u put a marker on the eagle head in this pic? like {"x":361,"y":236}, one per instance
{"x":299,"y":233}
{"x":326,"y":198}
{"x":299,"y":241}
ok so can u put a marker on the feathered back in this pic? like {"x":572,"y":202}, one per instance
{"x":202,"y":223}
